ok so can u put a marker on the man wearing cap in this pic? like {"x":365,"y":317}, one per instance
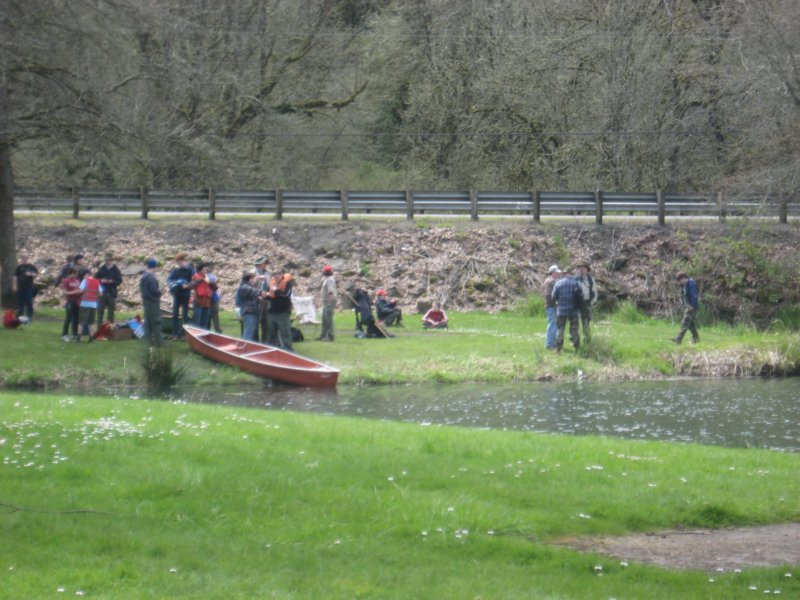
{"x":691,"y":304}
{"x":553,"y":275}
{"x":328,"y":299}
{"x":567,"y":295}
{"x":110,"y":278}
{"x":178,"y":281}
{"x":151,"y":299}
{"x":588,"y":298}
{"x":247,"y":297}
{"x":261,"y":282}
{"x":387,"y":310}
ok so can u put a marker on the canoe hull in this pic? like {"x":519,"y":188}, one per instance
{"x":261,"y":359}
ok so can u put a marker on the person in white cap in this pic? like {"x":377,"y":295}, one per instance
{"x":553,"y":275}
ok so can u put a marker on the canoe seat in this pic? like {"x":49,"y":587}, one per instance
{"x":256,"y":353}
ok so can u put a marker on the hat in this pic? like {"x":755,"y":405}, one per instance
{"x":212,"y":278}
{"x":109,"y":256}
{"x":77,"y":257}
{"x":583,"y":263}
{"x":181,"y":256}
{"x":554,"y":269}
{"x":260,"y":260}
{"x":247,"y":273}
{"x":151,"y":263}
{"x":381,"y":292}
{"x":568,"y":269}
{"x":327,"y":269}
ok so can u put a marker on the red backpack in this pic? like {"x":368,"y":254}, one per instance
{"x":10,"y":320}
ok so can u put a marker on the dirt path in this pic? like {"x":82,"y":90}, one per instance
{"x":711,"y":550}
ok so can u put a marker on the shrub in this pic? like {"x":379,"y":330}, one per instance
{"x":628,"y":312}
{"x":161,"y":371}
{"x":532,"y":305}
{"x":787,"y":319}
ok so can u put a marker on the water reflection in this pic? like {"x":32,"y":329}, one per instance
{"x":743,"y":413}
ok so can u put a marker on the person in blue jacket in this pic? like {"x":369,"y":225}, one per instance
{"x":179,"y":283}
{"x":691,"y":304}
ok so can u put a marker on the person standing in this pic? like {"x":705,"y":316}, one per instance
{"x":328,"y":298}
{"x":280,"y":309}
{"x":567,"y":295}
{"x":178,"y":282}
{"x":71,"y":288}
{"x":202,"y":297}
{"x":24,"y":283}
{"x":248,"y":297}
{"x":151,"y":298}
{"x":215,"y":297}
{"x":261,"y":281}
{"x":110,"y":278}
{"x":588,"y":298}
{"x":553,"y":275}
{"x":691,"y":304}
{"x":90,"y":292}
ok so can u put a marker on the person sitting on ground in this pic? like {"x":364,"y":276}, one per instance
{"x":435,"y":318}
{"x":387,"y":310}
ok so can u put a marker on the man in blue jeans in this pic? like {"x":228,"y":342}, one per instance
{"x":553,"y":275}
{"x":567,"y":294}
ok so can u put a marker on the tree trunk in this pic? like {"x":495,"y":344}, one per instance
{"x":8,"y":249}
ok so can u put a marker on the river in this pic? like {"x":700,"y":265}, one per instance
{"x":746,"y":413}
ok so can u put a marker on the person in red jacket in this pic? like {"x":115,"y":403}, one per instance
{"x":90,"y":293}
{"x":202,"y":296}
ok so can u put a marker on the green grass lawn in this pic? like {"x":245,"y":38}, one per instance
{"x":479,"y":347}
{"x":113,"y":498}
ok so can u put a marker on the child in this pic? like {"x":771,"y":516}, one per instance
{"x":435,"y":318}
{"x":71,"y":289}
{"x":90,"y":288}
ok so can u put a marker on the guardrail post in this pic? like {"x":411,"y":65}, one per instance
{"x":598,"y":207}
{"x":473,"y":205}
{"x":537,"y":206}
{"x":409,"y":205}
{"x":279,"y":204}
{"x":344,"y":198}
{"x":212,"y":204}
{"x":145,"y":201}
{"x":662,"y":208}
{"x":723,"y":210}
{"x":783,"y":208}
{"x":76,"y":202}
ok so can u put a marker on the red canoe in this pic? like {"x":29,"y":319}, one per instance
{"x":261,"y":359}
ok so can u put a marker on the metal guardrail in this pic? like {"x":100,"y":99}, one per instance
{"x":411,"y":203}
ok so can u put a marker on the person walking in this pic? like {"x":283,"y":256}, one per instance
{"x":691,"y":304}
{"x":588,"y":298}
{"x":280,"y":309}
{"x":151,"y":298}
{"x":328,"y":298}
{"x":110,"y":278}
{"x":567,"y":295}
{"x":553,"y":275}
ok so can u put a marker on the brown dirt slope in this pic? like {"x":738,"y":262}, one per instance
{"x":746,"y":272}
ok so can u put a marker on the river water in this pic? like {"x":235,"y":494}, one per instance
{"x":748,"y":413}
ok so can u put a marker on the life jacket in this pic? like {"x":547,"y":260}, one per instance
{"x":92,"y":290}
{"x":202,"y":291}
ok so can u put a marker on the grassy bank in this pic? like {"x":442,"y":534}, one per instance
{"x":142,"y":499}
{"x":480,"y":347}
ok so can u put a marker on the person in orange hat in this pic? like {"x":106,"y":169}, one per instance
{"x":388,"y":311}
{"x":328,"y":299}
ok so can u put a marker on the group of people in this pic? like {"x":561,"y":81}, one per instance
{"x":570,"y":296}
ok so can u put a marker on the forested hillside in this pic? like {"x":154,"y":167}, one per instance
{"x":457,"y":94}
